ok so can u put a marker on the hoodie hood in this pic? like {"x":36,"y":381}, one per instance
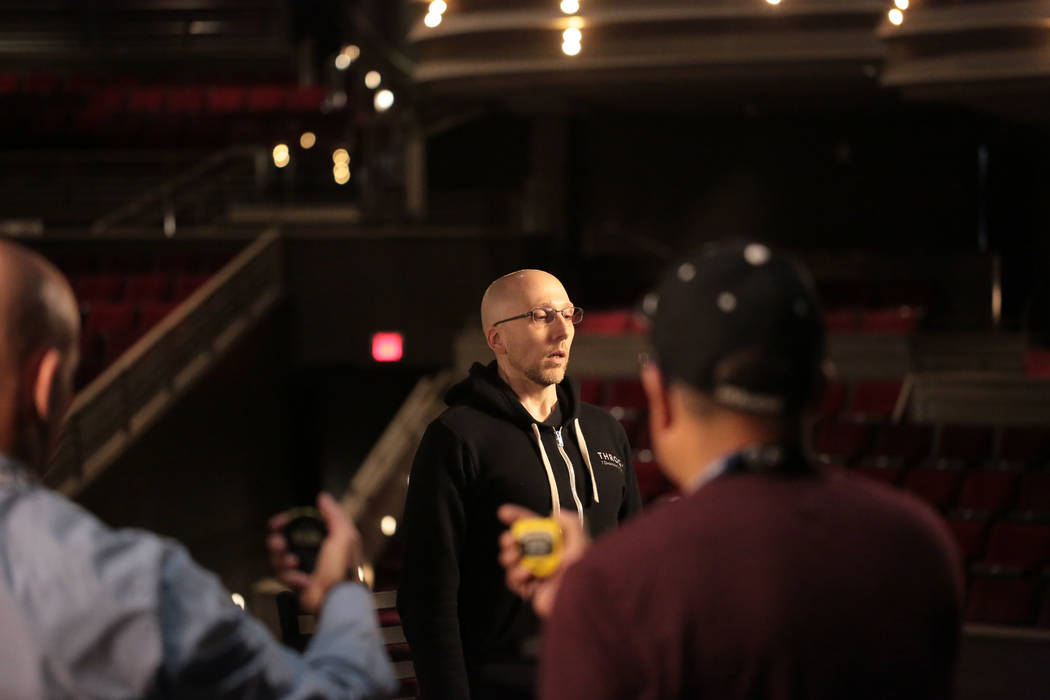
{"x":484,"y":390}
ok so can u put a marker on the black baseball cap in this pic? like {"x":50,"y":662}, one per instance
{"x":740,"y":322}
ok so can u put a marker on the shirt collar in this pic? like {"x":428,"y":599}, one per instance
{"x":12,"y":471}
{"x":714,"y":470}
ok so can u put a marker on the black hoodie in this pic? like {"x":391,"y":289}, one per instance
{"x":467,"y":631}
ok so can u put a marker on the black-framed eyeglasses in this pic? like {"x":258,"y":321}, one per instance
{"x":545,"y":314}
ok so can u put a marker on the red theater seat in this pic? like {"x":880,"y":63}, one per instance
{"x":1033,"y":493}
{"x":108,"y":317}
{"x":185,"y":100}
{"x":266,"y":98}
{"x":226,"y":99}
{"x":1002,"y":600}
{"x":606,"y":323}
{"x":185,"y":285}
{"x":105,"y":287}
{"x":833,"y":400}
{"x":1018,"y":546}
{"x":970,"y":535}
{"x":898,"y":321}
{"x":651,"y":482}
{"x":1044,"y":611}
{"x":1024,"y":445}
{"x":965,"y":444}
{"x":842,"y":321}
{"x":626,"y":394}
{"x":842,"y":441}
{"x":900,"y":444}
{"x":875,"y":398}
{"x":305,"y":99}
{"x":152,"y":312}
{"x":153,"y":287}
{"x":887,"y":475}
{"x":592,"y":390}
{"x":988,"y":491}
{"x":935,"y":486}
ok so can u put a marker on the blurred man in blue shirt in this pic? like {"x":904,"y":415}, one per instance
{"x":91,"y":612}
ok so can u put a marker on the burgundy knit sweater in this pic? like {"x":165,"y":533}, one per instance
{"x":759,"y":586}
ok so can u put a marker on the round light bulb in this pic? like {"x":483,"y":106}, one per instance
{"x":432,"y":19}
{"x":896,"y":16}
{"x":384,"y":100}
{"x":373,"y":79}
{"x":570,"y":7}
{"x":572,"y":35}
{"x":571,"y":48}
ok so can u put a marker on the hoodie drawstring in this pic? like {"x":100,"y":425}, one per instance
{"x":555,"y":500}
{"x":587,"y":458}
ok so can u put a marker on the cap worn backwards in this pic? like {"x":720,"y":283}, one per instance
{"x":740,"y":322}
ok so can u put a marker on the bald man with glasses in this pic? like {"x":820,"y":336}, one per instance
{"x":517,"y":432}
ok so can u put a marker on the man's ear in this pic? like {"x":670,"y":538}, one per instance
{"x":495,"y":341}
{"x":46,"y":375}
{"x":656,"y":390}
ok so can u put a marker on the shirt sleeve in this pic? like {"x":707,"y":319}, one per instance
{"x":433,"y":527}
{"x":582,"y":655}
{"x":212,"y":649}
{"x":125,"y":613}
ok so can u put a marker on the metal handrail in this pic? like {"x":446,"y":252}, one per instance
{"x":130,"y":395}
{"x":164,"y":191}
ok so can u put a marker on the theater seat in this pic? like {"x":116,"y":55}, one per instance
{"x":1043,"y":620}
{"x":606,"y":323}
{"x":1002,"y":599}
{"x":1033,"y":494}
{"x":105,"y":287}
{"x":152,"y":312}
{"x":154,"y":287}
{"x":962,"y":445}
{"x":935,"y":486}
{"x":875,"y":398}
{"x":899,"y":444}
{"x":1017,"y":546}
{"x":652,"y":484}
{"x":627,"y":394}
{"x":970,"y":534}
{"x":1024,"y":445}
{"x":110,"y":317}
{"x":833,"y":400}
{"x":986,"y":492}
{"x":885,"y":474}
{"x":187,"y":284}
{"x":592,"y":390}
{"x":842,"y":441}
{"x":901,"y":320}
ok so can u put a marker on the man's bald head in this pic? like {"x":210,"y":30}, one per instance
{"x":37,"y":308}
{"x":518,"y":292}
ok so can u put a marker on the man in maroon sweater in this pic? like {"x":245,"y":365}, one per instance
{"x":770,"y":578}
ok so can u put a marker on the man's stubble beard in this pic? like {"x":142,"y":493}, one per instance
{"x":546,"y":377}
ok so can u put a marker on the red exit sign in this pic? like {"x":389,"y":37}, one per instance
{"x":387,"y":347}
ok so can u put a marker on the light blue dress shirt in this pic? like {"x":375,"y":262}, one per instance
{"x":103,"y":613}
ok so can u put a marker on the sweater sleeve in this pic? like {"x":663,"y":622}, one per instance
{"x":433,"y":528}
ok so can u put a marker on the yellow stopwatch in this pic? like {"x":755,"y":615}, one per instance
{"x":540,"y":542}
